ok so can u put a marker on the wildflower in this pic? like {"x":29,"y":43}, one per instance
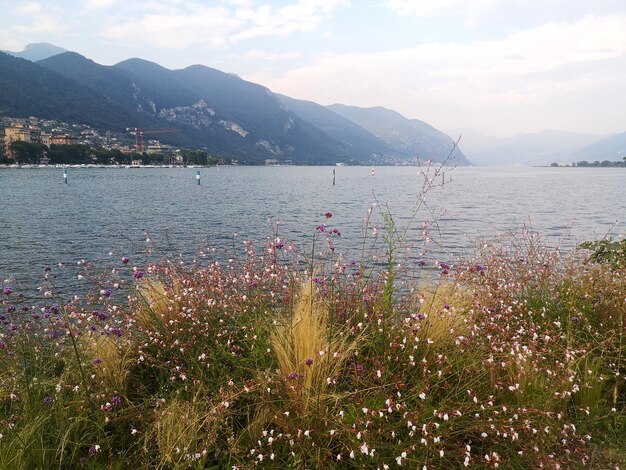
{"x":48,"y":400}
{"x":47,"y":269}
{"x":421,"y":262}
{"x":309,"y":361}
{"x":11,"y":309}
{"x":125,"y":260}
{"x":321,"y":228}
{"x":293,"y":376}
{"x":328,"y":214}
{"x":106,"y":293}
{"x":7,"y":290}
{"x":364,"y":449}
{"x":96,"y":361}
{"x":138,"y":274}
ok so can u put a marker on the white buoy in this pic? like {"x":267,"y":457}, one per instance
{"x":198,"y":176}
{"x":65,"y":175}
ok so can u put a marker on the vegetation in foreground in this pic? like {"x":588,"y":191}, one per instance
{"x":513,"y":359}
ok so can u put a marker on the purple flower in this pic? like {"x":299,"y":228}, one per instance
{"x":96,"y":361}
{"x":444,"y":266}
{"x":106,"y":293}
{"x":92,"y":451}
{"x":279,"y":245}
{"x":321,"y":228}
{"x":116,"y":331}
{"x":125,"y":260}
{"x":336,"y":231}
{"x":47,"y":269}
{"x":99,"y":315}
{"x":293,"y":376}
{"x":138,"y":274}
{"x":25,"y":308}
{"x":48,"y":400}
{"x":328,"y":214}
{"x":420,"y":316}
{"x":116,"y":400}
{"x":576,"y":319}
{"x":309,"y":361}
{"x":421,"y":262}
{"x":54,"y":309}
{"x":11,"y":309}
{"x":366,"y":299}
{"x":7,"y":290}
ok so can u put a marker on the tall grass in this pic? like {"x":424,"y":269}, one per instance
{"x":512,"y":359}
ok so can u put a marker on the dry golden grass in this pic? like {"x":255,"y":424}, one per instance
{"x":183,"y":430}
{"x":155,"y":304}
{"x":446,"y":307}
{"x":308,"y":352}
{"x":113,"y":358}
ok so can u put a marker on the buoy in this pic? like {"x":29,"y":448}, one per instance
{"x":198,"y":176}
{"x":65,"y":175}
{"x":372,"y":170}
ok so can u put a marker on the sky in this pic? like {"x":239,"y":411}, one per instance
{"x":499,"y":67}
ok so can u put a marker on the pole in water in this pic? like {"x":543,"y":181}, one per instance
{"x":198,"y":176}
{"x":65,"y":175}
{"x":333,"y":177}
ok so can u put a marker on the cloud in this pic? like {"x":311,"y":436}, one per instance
{"x":175,"y":25}
{"x":99,"y":4}
{"x":478,"y":81}
{"x":28,"y":8}
{"x":263,"y":56}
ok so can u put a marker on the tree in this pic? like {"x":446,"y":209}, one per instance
{"x":27,"y":152}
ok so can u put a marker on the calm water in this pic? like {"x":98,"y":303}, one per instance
{"x":44,"y":221}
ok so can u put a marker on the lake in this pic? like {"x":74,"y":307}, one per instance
{"x":105,"y":210}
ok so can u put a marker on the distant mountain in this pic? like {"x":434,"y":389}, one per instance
{"x":37,"y":51}
{"x":212,"y":109}
{"x":540,"y":148}
{"x":409,"y":137}
{"x":610,"y":148}
{"x":356,"y":139}
{"x":28,"y":89}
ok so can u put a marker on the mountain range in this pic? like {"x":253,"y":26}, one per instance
{"x":540,"y":148}
{"x":210,"y":109}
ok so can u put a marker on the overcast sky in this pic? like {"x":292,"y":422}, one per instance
{"x":496,"y":66}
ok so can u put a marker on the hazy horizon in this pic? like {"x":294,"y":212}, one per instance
{"x":493,"y":66}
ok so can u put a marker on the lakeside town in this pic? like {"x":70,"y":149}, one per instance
{"x":34,"y":141}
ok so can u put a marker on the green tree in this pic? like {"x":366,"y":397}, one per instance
{"x":27,"y":152}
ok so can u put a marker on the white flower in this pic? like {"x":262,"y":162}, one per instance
{"x":422,"y":396}
{"x":364,"y":449}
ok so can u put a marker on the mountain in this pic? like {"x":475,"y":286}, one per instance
{"x":37,"y":51}
{"x":610,"y":148}
{"x":356,"y":139}
{"x":539,"y":148}
{"x":28,"y":89}
{"x":211,"y":109}
{"x":409,"y":137}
